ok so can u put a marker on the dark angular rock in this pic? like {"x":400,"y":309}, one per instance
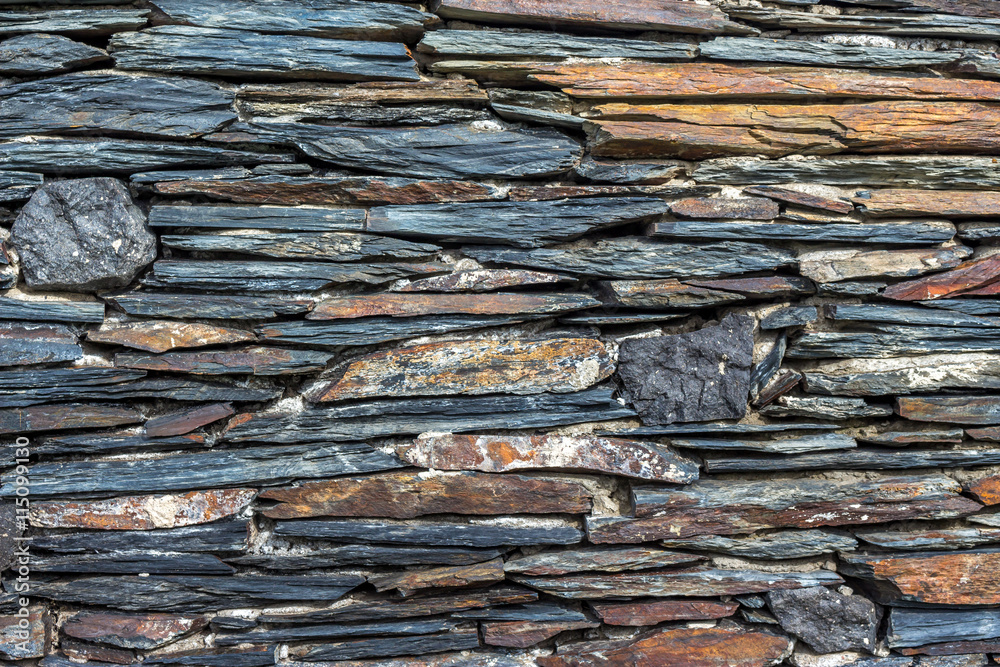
{"x":827,"y":620}
{"x":664,"y":387}
{"x":339,"y":18}
{"x":284,"y":218}
{"x":80,"y":22}
{"x":640,"y":257}
{"x":82,"y":235}
{"x":244,"y":54}
{"x":38,"y":54}
{"x":27,"y":344}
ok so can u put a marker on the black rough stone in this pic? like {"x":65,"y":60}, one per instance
{"x":827,"y":620}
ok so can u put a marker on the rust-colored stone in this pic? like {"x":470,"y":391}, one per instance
{"x":775,"y":130}
{"x":404,"y":495}
{"x":89,"y":654}
{"x":899,"y":203}
{"x":65,"y":416}
{"x":718,"y":82}
{"x":986,"y":490}
{"x":800,"y":198}
{"x":654,"y":612}
{"x":456,"y":576}
{"x":135,"y":631}
{"x":965,"y":277}
{"x":678,"y":647}
{"x":163,"y":335}
{"x":20,"y":643}
{"x":557,"y":365}
{"x":500,"y":453}
{"x":748,"y":208}
{"x":478,"y":280}
{"x":931,"y":578}
{"x":408,"y":305}
{"x":668,"y":15}
{"x":185,"y":421}
{"x":950,"y":409}
{"x":329,"y":191}
{"x":522,"y":634}
{"x":141,"y":512}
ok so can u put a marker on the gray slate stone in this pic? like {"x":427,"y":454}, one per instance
{"x":695,"y":376}
{"x":827,"y":620}
{"x":547,"y":45}
{"x":35,"y":55}
{"x":798,"y":52}
{"x":81,"y":22}
{"x":82,"y":235}
{"x":9,"y":532}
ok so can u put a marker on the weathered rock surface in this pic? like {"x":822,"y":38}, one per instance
{"x":796,"y":52}
{"x":478,"y":280}
{"x":833,"y":265}
{"x":456,"y":576}
{"x":138,"y":631}
{"x":216,"y":307}
{"x":930,"y":539}
{"x":779,"y":545}
{"x":597,"y":559}
{"x":827,"y":620}
{"x":965,"y":277}
{"x":65,"y":416}
{"x":917,"y":627}
{"x":29,"y":344}
{"x":82,"y":235}
{"x":904,"y":375}
{"x":657,"y":611}
{"x":664,"y":387}
{"x":83,"y":22}
{"x":332,"y":246}
{"x":33,"y":55}
{"x":955,"y":410}
{"x":901,"y":233}
{"x":409,"y":305}
{"x":258,"y":360}
{"x":967,"y":577}
{"x":503,"y":44}
{"x":165,"y":335}
{"x":285,"y":218}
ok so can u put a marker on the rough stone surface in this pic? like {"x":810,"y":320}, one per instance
{"x":827,"y":620}
{"x":82,"y":235}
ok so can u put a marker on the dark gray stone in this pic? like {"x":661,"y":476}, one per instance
{"x":17,"y":185}
{"x":905,"y":233}
{"x":779,"y":545}
{"x":328,"y":246}
{"x":433,"y":533}
{"x":800,"y":52}
{"x":827,"y":620}
{"x":489,"y":44}
{"x":9,"y":532}
{"x":917,"y":627}
{"x":82,"y":235}
{"x":35,"y":55}
{"x":695,"y":376}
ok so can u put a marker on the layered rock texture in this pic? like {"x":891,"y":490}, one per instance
{"x":506,"y":333}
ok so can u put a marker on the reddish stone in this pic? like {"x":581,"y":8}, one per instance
{"x":970,"y":578}
{"x":409,"y":305}
{"x":750,"y":208}
{"x":800,"y":198}
{"x":522,"y":634}
{"x":653,"y":612}
{"x":17,"y":643}
{"x":986,"y":490}
{"x":944,"y":203}
{"x":65,"y":416}
{"x":478,"y":280}
{"x":456,"y":576}
{"x":185,"y":421}
{"x":965,"y":277}
{"x":950,"y":409}
{"x":141,"y":512}
{"x":160,"y":336}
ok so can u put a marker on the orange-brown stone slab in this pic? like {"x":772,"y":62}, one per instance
{"x":950,"y":409}
{"x":501,"y":453}
{"x":409,"y":305}
{"x":522,"y":634}
{"x":678,"y":647}
{"x":163,"y":335}
{"x":746,"y":208}
{"x":653,"y":612}
{"x":557,"y":365}
{"x":966,"y":578}
{"x":800,"y":198}
{"x":962,"y":279}
{"x":137,"y":631}
{"x":986,"y":490}
{"x":185,"y":421}
{"x":407,"y":583}
{"x":404,"y":495}
{"x":902,"y":203}
{"x":142,"y":512}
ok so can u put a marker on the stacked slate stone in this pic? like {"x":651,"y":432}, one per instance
{"x":499,"y":333}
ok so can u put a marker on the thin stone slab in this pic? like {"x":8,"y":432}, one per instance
{"x":821,"y":54}
{"x":77,"y":22}
{"x":906,"y":375}
{"x":258,"y":360}
{"x":343,"y":18}
{"x":780,"y":545}
{"x":860,"y":459}
{"x":966,"y":277}
{"x":639,"y":257}
{"x":138,"y":631}
{"x":967,"y":306}
{"x":150,"y":105}
{"x":668,"y":293}
{"x":418,"y":304}
{"x":367,"y":555}
{"x":950,"y":409}
{"x":913,"y":25}
{"x":929,"y":539}
{"x":537,"y":45}
{"x":894,"y":203}
{"x":789,"y":445}
{"x":57,"y":155}
{"x":372,"y":419}
{"x":496,"y":454}
{"x":226,"y":467}
{"x":18,"y":185}
{"x":244,"y":54}
{"x":332,"y":631}
{"x":900,"y":233}
{"x":596,"y":559}
{"x":484,"y":533}
{"x":329,"y":246}
{"x":527,"y":224}
{"x":221,"y":537}
{"x":179,"y":389}
{"x":284,"y":218}
{"x":164,"y":335}
{"x":479,"y":280}
{"x":790,"y":316}
{"x":893,"y":341}
{"x":963,"y":578}
{"x":653,"y":612}
{"x":893,"y":314}
{"x":454,"y":576}
{"x":827,"y":266}
{"x":16,"y":421}
{"x":207,"y":306}
{"x":456,"y":639}
{"x":918,"y":627}
{"x":39,"y":54}
{"x":132,"y":563}
{"x":50,"y":310}
{"x":833,"y":408}
{"x":29,"y":344}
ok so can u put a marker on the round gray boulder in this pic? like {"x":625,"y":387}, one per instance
{"x":82,"y":235}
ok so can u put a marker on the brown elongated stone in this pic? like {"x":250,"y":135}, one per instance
{"x":185,"y":421}
{"x":986,"y":490}
{"x":666,"y":293}
{"x":597,"y":559}
{"x":24,"y":344}
{"x":557,"y":365}
{"x":478,"y":280}
{"x":679,"y":647}
{"x":971,"y":577}
{"x":800,"y":198}
{"x":950,"y":409}
{"x":165,"y":335}
{"x":500,"y":453}
{"x":828,"y":266}
{"x":65,"y":416}
{"x":748,"y":208}
{"x":990,"y":290}
{"x":717,"y":507}
{"x":134,"y":631}
{"x":653,"y":612}
{"x":717,"y":82}
{"x":522,"y":634}
{"x":406,"y":305}
{"x":89,"y":654}
{"x":23,"y":641}
{"x":957,"y":203}
{"x":258,"y":360}
{"x":456,"y":576}
{"x":775,"y":130}
{"x":404,"y":495}
{"x":772,"y":286}
{"x":964,"y":278}
{"x":642,"y":15}
{"x":329,"y":190}
{"x":142,"y":512}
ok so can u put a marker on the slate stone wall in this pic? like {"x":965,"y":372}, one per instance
{"x":500,"y":333}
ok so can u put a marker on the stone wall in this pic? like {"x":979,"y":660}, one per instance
{"x":499,"y":333}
